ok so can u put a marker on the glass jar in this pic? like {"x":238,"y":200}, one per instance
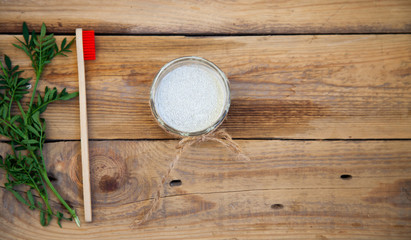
{"x":177,"y":67}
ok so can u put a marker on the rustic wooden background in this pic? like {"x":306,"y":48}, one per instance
{"x":321,"y":104}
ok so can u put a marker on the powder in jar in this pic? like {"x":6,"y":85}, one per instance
{"x":190,"y":98}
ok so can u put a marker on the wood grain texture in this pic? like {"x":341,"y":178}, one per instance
{"x":289,"y":190}
{"x":210,"y":17}
{"x":306,"y":87}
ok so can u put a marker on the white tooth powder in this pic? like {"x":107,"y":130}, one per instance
{"x":190,"y":98}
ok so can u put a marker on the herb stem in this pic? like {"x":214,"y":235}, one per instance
{"x":34,"y":92}
{"x":50,"y":185}
{"x":11,"y":104}
{"x":39,"y":70}
{"x":41,"y":171}
{"x":41,"y":106}
{"x":71,"y":211}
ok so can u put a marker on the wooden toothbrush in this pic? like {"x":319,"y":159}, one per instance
{"x":86,"y":50}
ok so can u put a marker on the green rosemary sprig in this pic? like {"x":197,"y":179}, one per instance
{"x":26,"y":129}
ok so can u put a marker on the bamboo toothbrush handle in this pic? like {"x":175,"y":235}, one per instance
{"x":83,"y":127}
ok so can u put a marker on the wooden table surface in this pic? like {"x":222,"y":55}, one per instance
{"x":320,"y":90}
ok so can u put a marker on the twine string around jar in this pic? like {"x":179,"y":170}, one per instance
{"x":219,"y":136}
{"x":190,"y":97}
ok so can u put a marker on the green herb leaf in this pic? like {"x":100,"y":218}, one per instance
{"x":33,"y":130}
{"x":31,"y":200}
{"x":26,"y":33}
{"x":30,"y":141}
{"x":69,"y":96}
{"x":42,"y":217}
{"x":63,"y":43}
{"x":43,"y":30}
{"x":50,"y":36}
{"x":8,"y":61}
{"x":59,"y":217}
{"x":33,"y":36}
{"x":49,"y":217}
{"x":49,"y":42}
{"x":18,"y":196}
{"x":37,"y":43}
{"x":36,"y":118}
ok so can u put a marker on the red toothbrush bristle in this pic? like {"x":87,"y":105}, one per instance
{"x":89,"y":46}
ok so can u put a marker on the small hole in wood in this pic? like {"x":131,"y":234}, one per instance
{"x":51,"y":177}
{"x":277,"y":206}
{"x":175,"y":183}
{"x":345,"y":177}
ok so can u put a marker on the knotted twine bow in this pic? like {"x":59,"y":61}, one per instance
{"x":220,"y":136}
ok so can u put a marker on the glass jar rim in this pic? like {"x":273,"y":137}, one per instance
{"x":175,"y":63}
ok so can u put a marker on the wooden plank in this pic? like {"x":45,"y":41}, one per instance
{"x":289,"y":190}
{"x":210,"y":17}
{"x":306,"y":87}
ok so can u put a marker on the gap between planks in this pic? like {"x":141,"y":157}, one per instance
{"x":188,"y":35}
{"x":55,"y":203}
